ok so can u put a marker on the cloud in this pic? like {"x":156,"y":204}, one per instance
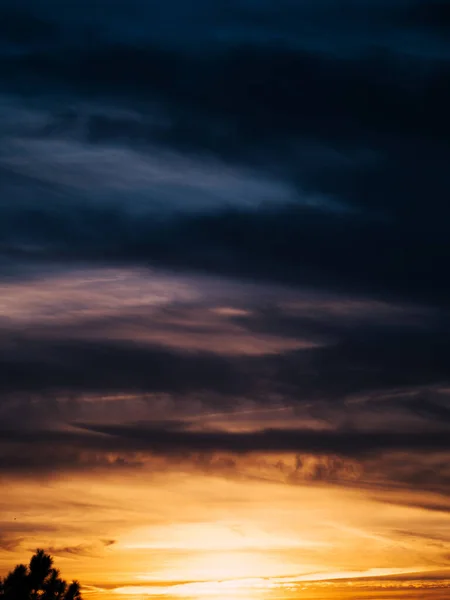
{"x":117,"y":345}
{"x":305,"y":247}
{"x":21,"y":27}
{"x":351,"y":444}
{"x":434,"y":15}
{"x":84,"y":366}
{"x":346,"y":144}
{"x":310,"y":171}
{"x":81,"y":357}
{"x":90,"y":550}
{"x":223,"y":258}
{"x":362,"y":458}
{"x":15,"y":532}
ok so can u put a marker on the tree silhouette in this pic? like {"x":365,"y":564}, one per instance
{"x":38,"y":581}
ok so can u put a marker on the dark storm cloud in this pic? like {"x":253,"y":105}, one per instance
{"x":264,"y":103}
{"x":434,"y":14}
{"x":355,"y":356}
{"x":78,"y":367}
{"x":350,"y":444}
{"x":22,"y":27}
{"x":395,"y":433}
{"x":340,"y":110}
{"x":378,"y":462}
{"x":295,"y":245}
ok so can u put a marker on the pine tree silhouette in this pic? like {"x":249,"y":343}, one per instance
{"x":38,"y":581}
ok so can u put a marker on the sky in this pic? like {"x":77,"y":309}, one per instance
{"x":224,"y":296}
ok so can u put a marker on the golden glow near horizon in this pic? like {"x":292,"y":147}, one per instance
{"x":193,"y":536}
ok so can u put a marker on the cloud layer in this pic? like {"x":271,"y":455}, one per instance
{"x":224,"y":253}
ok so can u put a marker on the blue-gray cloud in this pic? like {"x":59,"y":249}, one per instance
{"x":296,"y":144}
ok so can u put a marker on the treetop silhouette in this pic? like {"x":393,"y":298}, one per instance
{"x":38,"y":581}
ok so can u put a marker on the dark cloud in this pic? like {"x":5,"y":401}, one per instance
{"x":141,"y":438}
{"x":302,"y":144}
{"x":95,"y":356}
{"x":264,"y":104}
{"x":83,"y":367}
{"x":293,"y":245}
{"x":388,"y":465}
{"x":434,"y":14}
{"x":21,"y":27}
{"x":388,"y":359}
{"x":351,"y":444}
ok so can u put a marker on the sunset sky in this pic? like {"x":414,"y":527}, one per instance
{"x":224,"y":296}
